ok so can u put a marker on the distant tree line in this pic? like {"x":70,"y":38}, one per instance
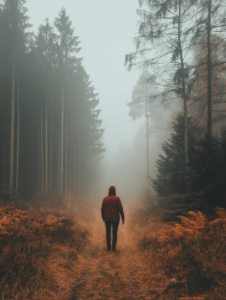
{"x":50,"y":136}
{"x":183,"y":45}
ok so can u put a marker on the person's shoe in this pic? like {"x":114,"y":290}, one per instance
{"x":108,"y":249}
{"x":114,"y":250}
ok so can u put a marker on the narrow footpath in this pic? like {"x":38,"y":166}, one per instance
{"x":114,"y":275}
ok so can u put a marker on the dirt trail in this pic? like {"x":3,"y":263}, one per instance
{"x":113,"y":275}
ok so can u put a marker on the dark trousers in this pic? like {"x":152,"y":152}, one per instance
{"x":110,"y":224}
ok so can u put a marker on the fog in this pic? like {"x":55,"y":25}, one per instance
{"x":104,"y":43}
{"x":123,"y":93}
{"x":126,"y":169}
{"x":65,"y":123}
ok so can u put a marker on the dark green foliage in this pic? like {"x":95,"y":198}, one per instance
{"x":42,"y":63}
{"x":209,"y":165}
{"x":171,"y":166}
{"x":207,"y":172}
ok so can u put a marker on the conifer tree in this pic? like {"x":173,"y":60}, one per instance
{"x":165,"y":22}
{"x":198,"y":106}
{"x":46,"y":68}
{"x":139,"y":106}
{"x":15,"y":15}
{"x":67,"y":48}
{"x":46,"y":49}
{"x":211,"y":18}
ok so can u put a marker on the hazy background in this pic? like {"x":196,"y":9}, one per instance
{"x":105,"y":29}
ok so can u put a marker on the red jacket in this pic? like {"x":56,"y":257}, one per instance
{"x":112,"y":207}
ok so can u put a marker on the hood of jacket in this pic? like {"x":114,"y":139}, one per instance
{"x":112,"y":190}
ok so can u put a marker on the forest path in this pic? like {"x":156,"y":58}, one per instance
{"x":113,"y":275}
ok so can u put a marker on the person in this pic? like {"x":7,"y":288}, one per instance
{"x":110,"y":210}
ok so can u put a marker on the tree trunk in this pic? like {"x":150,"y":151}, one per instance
{"x":147,"y":131}
{"x":11,"y":159}
{"x":185,"y":103}
{"x":70,"y":168}
{"x":46,"y":145}
{"x":62,"y":141}
{"x":4,"y":163}
{"x":41,"y":149}
{"x":72,"y":165}
{"x":51,"y":151}
{"x":209,"y":70}
{"x":18,"y":139}
{"x":66,"y":157}
{"x":79,"y":160}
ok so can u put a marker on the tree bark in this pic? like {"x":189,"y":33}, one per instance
{"x":41,"y":149}
{"x":79,"y":160}
{"x":147,"y":132}
{"x":18,"y":139}
{"x":70,"y":168}
{"x":46,"y":145}
{"x":184,"y":101}
{"x":12,"y":137}
{"x":209,"y":70}
{"x":51,"y":151}
{"x":4,"y":163}
{"x":62,"y":141}
{"x":66,"y":157}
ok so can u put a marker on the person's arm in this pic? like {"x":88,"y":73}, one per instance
{"x":121,"y":211}
{"x":102,"y":210}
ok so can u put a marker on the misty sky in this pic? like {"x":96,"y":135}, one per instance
{"x":105,"y":29}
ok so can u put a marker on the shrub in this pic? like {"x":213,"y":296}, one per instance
{"x":38,"y":248}
{"x":191,"y":252}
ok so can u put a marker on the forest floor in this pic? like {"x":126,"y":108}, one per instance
{"x":123,"y":274}
{"x":52,"y":253}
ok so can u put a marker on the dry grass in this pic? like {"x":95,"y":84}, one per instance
{"x":39,"y":249}
{"x":189,"y":255}
{"x":47,"y":253}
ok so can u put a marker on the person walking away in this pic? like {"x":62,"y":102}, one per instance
{"x":110,"y":210}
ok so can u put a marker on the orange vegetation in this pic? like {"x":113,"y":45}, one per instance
{"x":39,"y":249}
{"x":190,"y":254}
{"x":48,"y":253}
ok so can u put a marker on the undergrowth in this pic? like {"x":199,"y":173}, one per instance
{"x":38,"y":251}
{"x":189,"y":254}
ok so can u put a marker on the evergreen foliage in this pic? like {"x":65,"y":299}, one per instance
{"x":182,"y":45}
{"x":50,"y":126}
{"x":207,"y":172}
{"x":170,"y":166}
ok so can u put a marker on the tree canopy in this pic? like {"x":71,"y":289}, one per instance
{"x":50,"y":127}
